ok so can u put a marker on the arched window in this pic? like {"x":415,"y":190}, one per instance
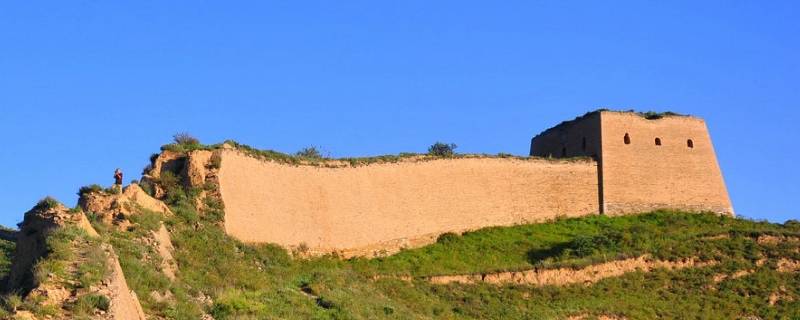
{"x":583,"y":144}
{"x":690,"y":143}
{"x":658,"y":141}
{"x":564,"y":151}
{"x":627,"y":139}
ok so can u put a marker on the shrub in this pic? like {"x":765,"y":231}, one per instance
{"x":47,"y":203}
{"x":447,"y":237}
{"x":184,"y":138}
{"x":652,"y":115}
{"x":309,"y":152}
{"x":113,"y":189}
{"x":584,"y":246}
{"x":147,"y":187}
{"x":440,"y":149}
{"x":93,"y":188}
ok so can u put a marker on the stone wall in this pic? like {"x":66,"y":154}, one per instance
{"x":367,"y":209}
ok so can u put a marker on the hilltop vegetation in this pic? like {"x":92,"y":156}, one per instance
{"x":313,"y":156}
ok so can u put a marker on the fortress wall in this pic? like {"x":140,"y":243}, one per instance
{"x":642,"y":176}
{"x":387,"y":206}
{"x":569,"y":137}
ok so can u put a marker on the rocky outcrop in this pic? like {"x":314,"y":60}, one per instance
{"x":39,"y":222}
{"x":60,"y":290}
{"x":116,"y":207}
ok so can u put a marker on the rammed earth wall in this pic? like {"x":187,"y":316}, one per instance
{"x":368,"y":209}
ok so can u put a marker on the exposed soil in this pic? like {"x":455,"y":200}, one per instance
{"x":566,"y":276}
{"x":165,"y":249}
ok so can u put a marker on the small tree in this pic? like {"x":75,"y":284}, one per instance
{"x":309,"y":152}
{"x":440,"y":149}
{"x":184,"y":138}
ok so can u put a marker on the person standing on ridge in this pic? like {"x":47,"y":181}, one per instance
{"x":118,"y":179}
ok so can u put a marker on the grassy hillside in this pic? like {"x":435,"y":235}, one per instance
{"x":231,"y":280}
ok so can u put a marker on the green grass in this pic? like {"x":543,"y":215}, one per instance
{"x":247,"y":281}
{"x":263,"y":282}
{"x":86,"y":305}
{"x":6,"y":253}
{"x":578,"y":241}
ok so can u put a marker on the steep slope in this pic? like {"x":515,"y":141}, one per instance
{"x":62,"y":269}
{"x":682,"y":265}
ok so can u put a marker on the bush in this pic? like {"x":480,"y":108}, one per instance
{"x":440,"y":149}
{"x":184,"y":138}
{"x":93,"y":188}
{"x":309,"y":152}
{"x":652,"y":115}
{"x":447,"y":237}
{"x":584,"y":246}
{"x":47,"y":203}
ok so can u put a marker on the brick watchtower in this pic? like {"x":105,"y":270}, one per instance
{"x":645,"y":161}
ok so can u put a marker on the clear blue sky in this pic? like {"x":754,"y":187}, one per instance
{"x":88,"y":86}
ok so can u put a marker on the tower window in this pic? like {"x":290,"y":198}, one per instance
{"x":690,"y":143}
{"x":658,"y":141}
{"x":627,"y":139}
{"x":583,"y":144}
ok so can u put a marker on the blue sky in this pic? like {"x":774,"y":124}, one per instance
{"x":88,"y":86}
